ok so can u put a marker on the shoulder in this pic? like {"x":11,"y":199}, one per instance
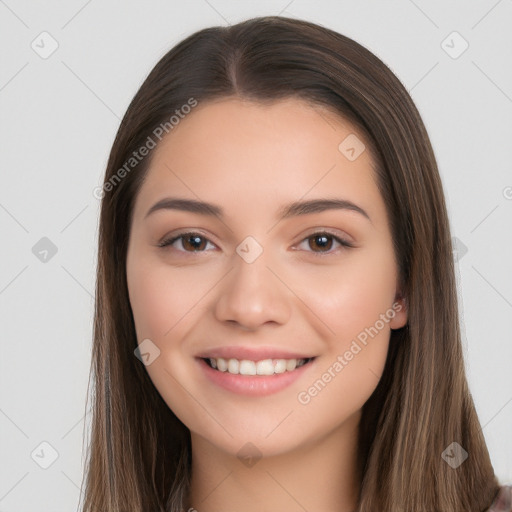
{"x":503,"y":501}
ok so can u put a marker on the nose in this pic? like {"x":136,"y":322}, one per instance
{"x":253,"y":294}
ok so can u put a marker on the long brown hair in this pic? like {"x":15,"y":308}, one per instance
{"x":139,"y":453}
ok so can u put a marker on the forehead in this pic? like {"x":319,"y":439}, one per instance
{"x":239,"y":151}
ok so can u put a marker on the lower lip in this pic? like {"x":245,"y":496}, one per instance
{"x":253,"y":385}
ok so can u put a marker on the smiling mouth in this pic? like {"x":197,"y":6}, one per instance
{"x":248,"y":367}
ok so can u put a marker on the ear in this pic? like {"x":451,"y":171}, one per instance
{"x":400,"y":308}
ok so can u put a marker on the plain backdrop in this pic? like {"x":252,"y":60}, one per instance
{"x":68,"y":71}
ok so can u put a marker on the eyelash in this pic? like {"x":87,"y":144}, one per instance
{"x":344,"y":243}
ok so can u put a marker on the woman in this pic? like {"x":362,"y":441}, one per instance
{"x":276,"y":322}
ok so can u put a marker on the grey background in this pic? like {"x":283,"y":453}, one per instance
{"x":59,"y":115}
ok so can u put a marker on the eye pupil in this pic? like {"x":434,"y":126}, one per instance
{"x":194,"y":241}
{"x":324,"y":243}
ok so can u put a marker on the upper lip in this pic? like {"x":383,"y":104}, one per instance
{"x":251,"y":353}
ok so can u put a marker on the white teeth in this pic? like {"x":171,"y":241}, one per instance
{"x":233,"y":366}
{"x":280,"y":366}
{"x":247,"y":368}
{"x":291,"y":364}
{"x":263,"y":367}
{"x":222,"y":364}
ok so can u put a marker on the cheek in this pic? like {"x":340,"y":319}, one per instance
{"x":149,"y":301}
{"x":356,"y":305}
{"x":351,"y":296}
{"x":350,"y":370}
{"x":163,"y":300}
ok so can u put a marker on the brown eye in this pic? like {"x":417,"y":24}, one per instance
{"x":195,"y":242}
{"x":322,"y":243}
{"x":190,"y":242}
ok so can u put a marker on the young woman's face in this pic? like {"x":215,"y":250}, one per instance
{"x":255,"y":280}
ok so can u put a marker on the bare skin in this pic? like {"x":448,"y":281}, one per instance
{"x":303,"y":293}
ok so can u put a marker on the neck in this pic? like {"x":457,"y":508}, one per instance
{"x":319,"y":476}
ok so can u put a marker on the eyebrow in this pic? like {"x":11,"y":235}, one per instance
{"x":291,"y":210}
